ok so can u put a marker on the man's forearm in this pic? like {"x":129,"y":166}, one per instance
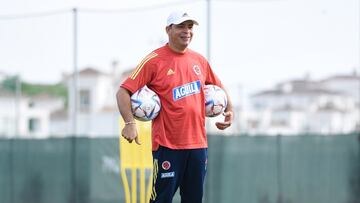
{"x":124,"y":104}
{"x":229,"y":106}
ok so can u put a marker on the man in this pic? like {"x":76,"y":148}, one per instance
{"x":179,"y":140}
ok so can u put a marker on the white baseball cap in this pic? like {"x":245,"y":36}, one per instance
{"x":179,"y":17}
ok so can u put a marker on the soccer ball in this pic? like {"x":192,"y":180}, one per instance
{"x":215,"y":100}
{"x":145,"y":104}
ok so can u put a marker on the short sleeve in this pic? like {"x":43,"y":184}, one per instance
{"x":141,"y":75}
{"x":211,"y":77}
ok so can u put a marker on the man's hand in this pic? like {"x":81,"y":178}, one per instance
{"x":227,"y":121}
{"x":129,"y":132}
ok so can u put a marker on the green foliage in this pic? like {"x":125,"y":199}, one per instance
{"x":9,"y":83}
{"x":30,"y":89}
{"x":36,"y":89}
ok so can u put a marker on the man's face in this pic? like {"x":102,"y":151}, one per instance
{"x":180,"y":35}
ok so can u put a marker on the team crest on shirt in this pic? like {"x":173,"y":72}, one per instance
{"x":166,"y":165}
{"x":197,"y":70}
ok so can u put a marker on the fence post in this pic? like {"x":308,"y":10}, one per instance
{"x":279,"y":168}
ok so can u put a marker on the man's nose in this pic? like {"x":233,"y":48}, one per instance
{"x":187,"y":30}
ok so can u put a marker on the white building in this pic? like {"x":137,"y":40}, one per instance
{"x":328,"y":106}
{"x":45,"y":116}
{"x":347,"y":84}
{"x":8,"y":113}
{"x":97,"y":113}
{"x":25,"y":116}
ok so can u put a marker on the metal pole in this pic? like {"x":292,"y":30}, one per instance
{"x":279,"y":168}
{"x":17,"y":104}
{"x":207,"y":196}
{"x":11,"y":167}
{"x":75,"y":94}
{"x":75,"y":78}
{"x":208,"y":16}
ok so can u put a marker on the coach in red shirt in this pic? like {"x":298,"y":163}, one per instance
{"x":179,"y":140}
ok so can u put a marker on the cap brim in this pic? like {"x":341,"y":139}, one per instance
{"x":183,"y":20}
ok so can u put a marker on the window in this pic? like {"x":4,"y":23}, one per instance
{"x":34,"y":125}
{"x":31,"y":104}
{"x":84,"y":100}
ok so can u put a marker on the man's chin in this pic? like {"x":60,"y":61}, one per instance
{"x":186,"y":43}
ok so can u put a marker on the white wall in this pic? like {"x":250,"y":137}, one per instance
{"x":349,"y":86}
{"x":43,"y":116}
{"x":315,"y":113}
{"x":96,"y":121}
{"x":40,"y":110}
{"x":59,"y":128}
{"x":100,"y":124}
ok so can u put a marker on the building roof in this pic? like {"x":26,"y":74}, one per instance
{"x":300,"y":86}
{"x":352,"y":76}
{"x":342,"y":77}
{"x":330,"y":109}
{"x":90,"y":71}
{"x":304,"y":91}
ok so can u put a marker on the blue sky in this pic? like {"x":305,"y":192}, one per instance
{"x":255,"y":43}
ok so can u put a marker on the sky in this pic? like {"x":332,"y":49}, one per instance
{"x":254,"y":43}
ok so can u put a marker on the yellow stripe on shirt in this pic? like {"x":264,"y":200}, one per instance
{"x":141,"y":65}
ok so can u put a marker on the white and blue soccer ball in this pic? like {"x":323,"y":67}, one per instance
{"x":145,"y":104}
{"x":215,"y":100}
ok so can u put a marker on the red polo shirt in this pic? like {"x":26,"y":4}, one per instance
{"x":178,"y":79}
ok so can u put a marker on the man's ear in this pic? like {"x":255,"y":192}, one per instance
{"x":168,"y":29}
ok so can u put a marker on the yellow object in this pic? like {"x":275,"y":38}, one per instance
{"x":136,"y":159}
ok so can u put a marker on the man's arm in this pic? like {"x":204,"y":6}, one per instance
{"x":129,"y":132}
{"x":228,"y":113}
